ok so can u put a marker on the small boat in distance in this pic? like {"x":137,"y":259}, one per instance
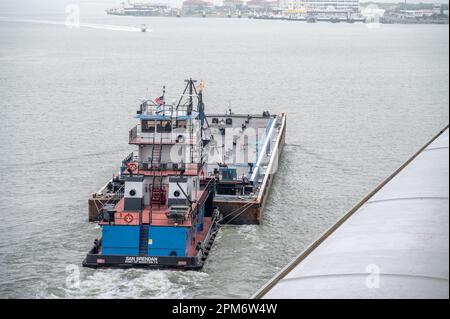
{"x":143,"y":28}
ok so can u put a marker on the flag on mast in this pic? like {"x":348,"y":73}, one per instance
{"x":160,"y":100}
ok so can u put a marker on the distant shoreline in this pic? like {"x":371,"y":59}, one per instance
{"x":384,"y":20}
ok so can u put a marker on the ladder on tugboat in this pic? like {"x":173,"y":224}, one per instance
{"x":157,"y":193}
{"x":156,"y":155}
{"x":143,"y":240}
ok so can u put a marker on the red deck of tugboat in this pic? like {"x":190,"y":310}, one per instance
{"x":157,"y":217}
{"x":188,"y":171}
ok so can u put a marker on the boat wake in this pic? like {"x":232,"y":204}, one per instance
{"x":80,"y":25}
{"x":134,"y":283}
{"x":249,"y":232}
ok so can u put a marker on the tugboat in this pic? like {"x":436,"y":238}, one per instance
{"x":162,"y":214}
{"x":143,"y":28}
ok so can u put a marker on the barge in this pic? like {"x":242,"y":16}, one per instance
{"x":246,"y":158}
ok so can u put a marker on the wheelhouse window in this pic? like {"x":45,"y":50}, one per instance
{"x":164,"y":127}
{"x":148,"y":126}
{"x":181,"y":124}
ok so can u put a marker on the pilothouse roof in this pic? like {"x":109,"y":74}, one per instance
{"x":189,"y":106}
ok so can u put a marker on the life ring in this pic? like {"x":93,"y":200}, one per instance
{"x":128,"y":218}
{"x":132,"y":166}
{"x":180,"y":138}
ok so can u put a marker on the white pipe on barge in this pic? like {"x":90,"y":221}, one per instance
{"x":263,"y":151}
{"x":267,"y":181}
{"x":392,"y":244}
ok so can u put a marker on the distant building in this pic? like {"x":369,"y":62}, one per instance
{"x":233,"y":4}
{"x":319,"y":5}
{"x":412,"y":14}
{"x":196,"y":6}
{"x":262,"y":4}
{"x":437,"y":8}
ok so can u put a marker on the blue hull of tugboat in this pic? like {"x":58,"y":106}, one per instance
{"x":120,"y":240}
{"x":127,"y":242}
{"x":164,"y":241}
